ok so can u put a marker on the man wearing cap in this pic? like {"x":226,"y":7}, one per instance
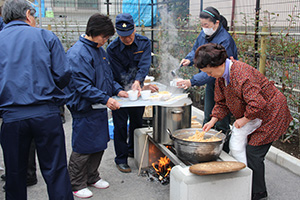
{"x":130,"y":58}
{"x":34,"y":71}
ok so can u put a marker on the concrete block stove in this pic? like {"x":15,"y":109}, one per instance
{"x":188,"y":186}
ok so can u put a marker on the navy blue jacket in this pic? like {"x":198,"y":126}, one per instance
{"x":33,"y":71}
{"x":92,"y":79}
{"x":130,"y":63}
{"x":2,"y":24}
{"x":222,"y":37}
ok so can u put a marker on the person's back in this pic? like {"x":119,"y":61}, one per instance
{"x":33,"y":72}
{"x":33,"y":69}
{"x":26,"y":53}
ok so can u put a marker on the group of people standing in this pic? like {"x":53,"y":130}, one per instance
{"x":235,"y":88}
{"x":37,"y":77}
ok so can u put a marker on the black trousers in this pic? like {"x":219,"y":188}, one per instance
{"x":48,"y":134}
{"x":255,"y":159}
{"x":121,"y":134}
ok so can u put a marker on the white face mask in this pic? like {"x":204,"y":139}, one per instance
{"x":208,"y":31}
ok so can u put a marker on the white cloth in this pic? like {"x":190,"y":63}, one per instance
{"x":238,"y":139}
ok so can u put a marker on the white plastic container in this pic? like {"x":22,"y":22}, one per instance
{"x":174,"y":82}
{"x":133,"y":95}
{"x":156,"y":97}
{"x":148,"y":80}
{"x":165,"y":95}
{"x":145,"y":94}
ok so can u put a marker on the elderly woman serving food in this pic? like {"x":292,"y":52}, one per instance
{"x":248,"y":95}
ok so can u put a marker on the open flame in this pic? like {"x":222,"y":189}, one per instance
{"x":163,"y":167}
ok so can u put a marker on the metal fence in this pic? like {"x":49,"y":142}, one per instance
{"x":177,"y":27}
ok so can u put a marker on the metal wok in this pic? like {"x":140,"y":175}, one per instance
{"x":196,"y":152}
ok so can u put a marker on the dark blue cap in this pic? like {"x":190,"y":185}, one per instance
{"x":124,"y":24}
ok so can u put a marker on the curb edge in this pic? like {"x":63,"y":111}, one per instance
{"x":284,"y":160}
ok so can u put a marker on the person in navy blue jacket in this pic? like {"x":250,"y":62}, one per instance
{"x":92,"y":83}
{"x":2,"y":24}
{"x":130,"y":58}
{"x":213,"y":31}
{"x":34,"y":71}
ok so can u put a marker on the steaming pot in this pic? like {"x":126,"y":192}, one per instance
{"x":173,"y":117}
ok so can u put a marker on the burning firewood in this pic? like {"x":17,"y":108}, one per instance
{"x":160,"y":171}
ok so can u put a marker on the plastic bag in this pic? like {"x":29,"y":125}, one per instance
{"x":238,"y":139}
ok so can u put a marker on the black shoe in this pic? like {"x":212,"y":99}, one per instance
{"x":31,"y":182}
{"x":260,"y":195}
{"x":131,"y":155}
{"x":3,"y":177}
{"x":123,"y":168}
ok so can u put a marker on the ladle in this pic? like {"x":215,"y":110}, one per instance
{"x":174,"y":72}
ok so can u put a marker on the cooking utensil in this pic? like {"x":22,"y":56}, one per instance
{"x":216,"y":167}
{"x":196,"y":152}
{"x":174,"y":72}
{"x":173,"y":116}
{"x":143,"y":154}
{"x":217,"y":134}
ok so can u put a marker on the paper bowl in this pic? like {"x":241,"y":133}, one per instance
{"x":133,"y":95}
{"x":174,"y":82}
{"x":145,"y":94}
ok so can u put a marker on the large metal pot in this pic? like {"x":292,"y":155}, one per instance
{"x":173,"y":117}
{"x":196,"y":152}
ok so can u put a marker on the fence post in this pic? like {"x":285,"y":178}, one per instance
{"x":152,"y":26}
{"x":262,"y":59}
{"x":257,"y":9}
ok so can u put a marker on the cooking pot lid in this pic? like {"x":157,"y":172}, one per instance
{"x":180,"y":103}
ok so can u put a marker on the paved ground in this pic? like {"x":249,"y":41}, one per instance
{"x":281,"y":183}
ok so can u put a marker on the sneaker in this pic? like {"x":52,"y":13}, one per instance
{"x":83,"y":193}
{"x":101,"y":184}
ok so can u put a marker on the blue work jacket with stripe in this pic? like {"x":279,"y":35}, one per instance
{"x":130,"y":63}
{"x":33,"y":72}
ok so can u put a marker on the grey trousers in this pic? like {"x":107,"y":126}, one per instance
{"x":83,"y":169}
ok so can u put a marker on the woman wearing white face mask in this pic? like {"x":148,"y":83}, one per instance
{"x":213,"y":31}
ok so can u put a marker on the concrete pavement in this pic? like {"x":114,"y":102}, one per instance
{"x":282,"y":177}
